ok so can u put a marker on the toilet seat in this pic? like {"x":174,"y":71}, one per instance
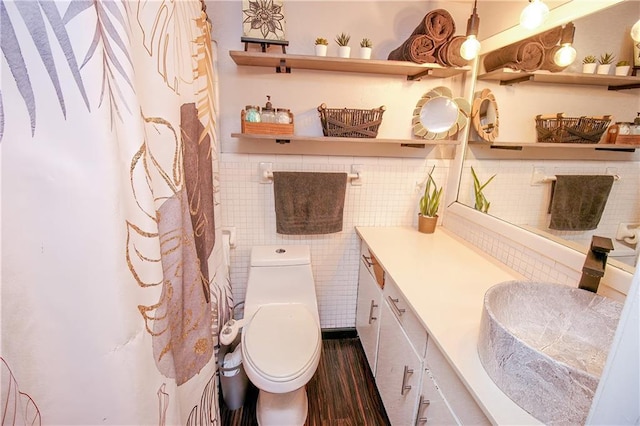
{"x":281,"y":341}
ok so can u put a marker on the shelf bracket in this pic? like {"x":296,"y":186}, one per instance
{"x":283,"y":68}
{"x":512,"y":148}
{"x":515,"y":80}
{"x":413,"y":145}
{"x":625,"y":86}
{"x":419,"y":75}
{"x":616,"y":149}
{"x":283,"y":141}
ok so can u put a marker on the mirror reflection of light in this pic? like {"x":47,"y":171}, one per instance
{"x":534,"y":14}
{"x":470,"y":48}
{"x":565,"y":56}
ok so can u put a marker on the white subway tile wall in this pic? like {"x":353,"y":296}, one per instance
{"x":522,"y":259}
{"x":388,"y":197}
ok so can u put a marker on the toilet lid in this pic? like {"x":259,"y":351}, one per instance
{"x":281,"y":340}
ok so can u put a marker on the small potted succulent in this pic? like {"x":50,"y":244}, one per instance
{"x":589,"y":64}
{"x":365,"y":48}
{"x":482,"y":204}
{"x":429,"y":205}
{"x":344,"y":51}
{"x":622,"y":68}
{"x":321,"y":46}
{"x":604,"y":63}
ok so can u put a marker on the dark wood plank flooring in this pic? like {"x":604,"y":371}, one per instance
{"x":341,"y":393}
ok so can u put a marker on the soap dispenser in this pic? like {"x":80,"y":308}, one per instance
{"x":268,"y":113}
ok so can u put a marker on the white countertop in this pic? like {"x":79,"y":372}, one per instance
{"x":444,"y":279}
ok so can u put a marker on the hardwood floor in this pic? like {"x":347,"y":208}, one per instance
{"x":341,"y":393}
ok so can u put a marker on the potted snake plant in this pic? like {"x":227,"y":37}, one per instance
{"x":429,"y":205}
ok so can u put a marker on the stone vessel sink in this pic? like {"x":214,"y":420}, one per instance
{"x":545,"y":346}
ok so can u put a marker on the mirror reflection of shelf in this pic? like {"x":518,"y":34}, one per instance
{"x":281,"y":62}
{"x":613,"y":82}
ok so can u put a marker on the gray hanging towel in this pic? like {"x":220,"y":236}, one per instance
{"x":309,"y":203}
{"x":577,"y":202}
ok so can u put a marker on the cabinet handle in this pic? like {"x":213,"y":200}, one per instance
{"x":371,"y":317}
{"x":394,"y":306}
{"x":423,"y":402}
{"x":367,"y":260}
{"x":405,"y":375}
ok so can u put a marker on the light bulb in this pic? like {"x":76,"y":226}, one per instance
{"x":470,"y":48}
{"x":635,"y":32}
{"x":534,"y":14}
{"x":565,"y":55}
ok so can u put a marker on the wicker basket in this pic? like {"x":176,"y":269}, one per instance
{"x":560,"y":129}
{"x":350,"y":123}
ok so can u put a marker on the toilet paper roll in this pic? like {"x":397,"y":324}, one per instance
{"x":634,"y":238}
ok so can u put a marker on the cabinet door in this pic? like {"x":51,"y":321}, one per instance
{"x":368,"y":315}
{"x":399,"y":371}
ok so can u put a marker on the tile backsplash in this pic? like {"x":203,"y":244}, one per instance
{"x":388,"y":196}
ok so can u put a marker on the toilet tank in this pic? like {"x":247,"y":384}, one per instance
{"x":280,"y":274}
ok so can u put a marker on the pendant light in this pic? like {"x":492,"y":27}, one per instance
{"x":566,"y":54}
{"x":534,"y":14}
{"x":471,"y":45}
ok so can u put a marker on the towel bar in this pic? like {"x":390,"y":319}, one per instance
{"x":553,"y":178}
{"x":350,"y":176}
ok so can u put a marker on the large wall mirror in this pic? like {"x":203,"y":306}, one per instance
{"x":521,"y":191}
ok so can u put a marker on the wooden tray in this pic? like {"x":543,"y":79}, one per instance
{"x":252,"y":128}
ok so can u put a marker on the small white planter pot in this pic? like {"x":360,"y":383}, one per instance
{"x":344,"y":51}
{"x":623,"y":70}
{"x":365,"y":53}
{"x":321,"y":50}
{"x":603,"y":69}
{"x":589,"y":68}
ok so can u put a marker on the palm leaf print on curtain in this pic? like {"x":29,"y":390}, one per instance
{"x":111,"y":137}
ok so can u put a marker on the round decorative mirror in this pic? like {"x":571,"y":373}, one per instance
{"x":484,"y":115}
{"x":438,"y":115}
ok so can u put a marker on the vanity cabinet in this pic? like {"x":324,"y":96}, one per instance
{"x":415,"y":381}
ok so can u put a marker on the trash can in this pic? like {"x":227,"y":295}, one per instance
{"x":233,"y":378}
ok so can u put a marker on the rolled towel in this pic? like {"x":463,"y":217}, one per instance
{"x":438,"y":25}
{"x":449,"y":53}
{"x":417,"y":48}
{"x":526,"y":56}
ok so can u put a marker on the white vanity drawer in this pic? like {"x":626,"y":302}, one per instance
{"x":410,"y":323}
{"x":454,"y":391}
{"x":372,"y":264}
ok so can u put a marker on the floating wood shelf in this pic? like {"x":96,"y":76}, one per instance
{"x":612,"y":82}
{"x":520,"y":146}
{"x":286,"y":62}
{"x":321,"y":145}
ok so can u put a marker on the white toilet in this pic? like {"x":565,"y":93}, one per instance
{"x":281,"y":339}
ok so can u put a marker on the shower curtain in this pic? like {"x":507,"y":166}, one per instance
{"x":113,"y":283}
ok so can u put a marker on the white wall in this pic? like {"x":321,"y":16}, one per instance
{"x":388,"y":195}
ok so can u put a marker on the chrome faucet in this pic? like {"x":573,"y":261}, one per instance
{"x":595,"y":263}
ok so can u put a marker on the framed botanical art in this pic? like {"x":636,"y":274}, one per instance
{"x":263,"y":20}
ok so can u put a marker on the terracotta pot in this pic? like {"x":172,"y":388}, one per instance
{"x":427,"y":224}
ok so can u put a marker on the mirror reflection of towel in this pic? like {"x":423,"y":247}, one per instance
{"x":577,"y":202}
{"x":309,"y":203}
